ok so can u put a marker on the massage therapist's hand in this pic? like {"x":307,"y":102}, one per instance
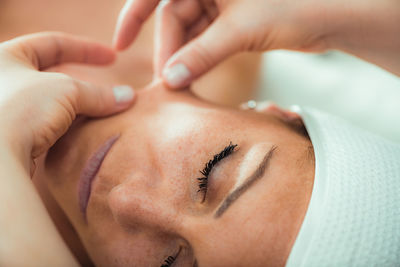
{"x":199,"y":34}
{"x":36,"y":108}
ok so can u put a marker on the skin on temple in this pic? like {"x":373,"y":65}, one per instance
{"x":145,"y":205}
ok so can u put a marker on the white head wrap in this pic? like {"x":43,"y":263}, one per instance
{"x":353,"y":218}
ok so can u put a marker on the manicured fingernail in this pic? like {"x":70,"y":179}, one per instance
{"x":177,"y":75}
{"x":123,"y":94}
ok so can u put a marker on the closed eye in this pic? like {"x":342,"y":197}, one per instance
{"x":203,"y":181}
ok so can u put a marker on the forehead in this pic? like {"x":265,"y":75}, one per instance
{"x":160,"y":108}
{"x":174,"y":123}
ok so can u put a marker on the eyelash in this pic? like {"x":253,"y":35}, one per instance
{"x":203,"y":181}
{"x":168,"y":261}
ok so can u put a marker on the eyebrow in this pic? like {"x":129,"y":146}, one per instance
{"x":257,"y":174}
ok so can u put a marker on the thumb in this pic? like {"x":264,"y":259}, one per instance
{"x":56,"y":105}
{"x":97,"y":101}
{"x":203,"y":53}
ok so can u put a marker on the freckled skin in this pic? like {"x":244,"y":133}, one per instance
{"x":143,"y":206}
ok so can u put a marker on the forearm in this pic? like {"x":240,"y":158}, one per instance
{"x":369,"y":30}
{"x":28,"y":237}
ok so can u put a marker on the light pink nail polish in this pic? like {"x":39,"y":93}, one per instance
{"x":177,"y":75}
{"x":123,"y":94}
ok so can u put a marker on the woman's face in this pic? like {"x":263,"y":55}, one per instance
{"x":148,"y":199}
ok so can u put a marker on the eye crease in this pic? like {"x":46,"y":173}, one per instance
{"x":203,"y":181}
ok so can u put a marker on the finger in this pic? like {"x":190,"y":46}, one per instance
{"x":219,"y":41}
{"x":132,"y":16}
{"x":44,"y":50}
{"x":168,"y":36}
{"x":172,"y":20}
{"x":198,"y":28}
{"x":211,"y":7}
{"x":94,"y":101}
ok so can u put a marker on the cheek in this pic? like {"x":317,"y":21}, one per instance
{"x":117,"y":247}
{"x":264,"y":220}
{"x":238,"y":242}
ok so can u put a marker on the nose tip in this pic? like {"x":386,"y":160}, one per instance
{"x":135,"y":207}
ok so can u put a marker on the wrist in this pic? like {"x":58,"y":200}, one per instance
{"x":365,"y":27}
{"x":320,"y":25}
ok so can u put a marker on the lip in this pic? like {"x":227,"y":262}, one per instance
{"x":90,"y":171}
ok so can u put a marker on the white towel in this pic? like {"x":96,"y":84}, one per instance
{"x":353,"y":218}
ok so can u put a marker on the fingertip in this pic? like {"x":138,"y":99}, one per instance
{"x":119,"y":30}
{"x":177,"y":76}
{"x":108,"y":55}
{"x":130,"y":20}
{"x":100,"y":54}
{"x":124,"y":95}
{"x":115,"y":42}
{"x":125,"y":32}
{"x":118,"y":44}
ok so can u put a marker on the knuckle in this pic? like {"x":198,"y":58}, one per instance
{"x":69,"y":95}
{"x":62,"y":77}
{"x":242,"y":33}
{"x":98,"y":99}
{"x":202,"y":57}
{"x":246,"y":36}
{"x":85,"y":98}
{"x":59,"y":53}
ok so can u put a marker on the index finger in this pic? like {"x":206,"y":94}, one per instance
{"x":43,"y":50}
{"x":132,"y":16}
{"x":174,"y":21}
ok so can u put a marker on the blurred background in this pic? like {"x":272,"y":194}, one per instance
{"x":335,"y":82}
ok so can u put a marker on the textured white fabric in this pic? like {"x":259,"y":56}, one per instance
{"x":353,"y":218}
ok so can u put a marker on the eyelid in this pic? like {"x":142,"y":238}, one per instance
{"x":228,"y":150}
{"x":210,"y":166}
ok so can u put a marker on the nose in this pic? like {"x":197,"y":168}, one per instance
{"x":141,"y":203}
{"x":155,"y":195}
